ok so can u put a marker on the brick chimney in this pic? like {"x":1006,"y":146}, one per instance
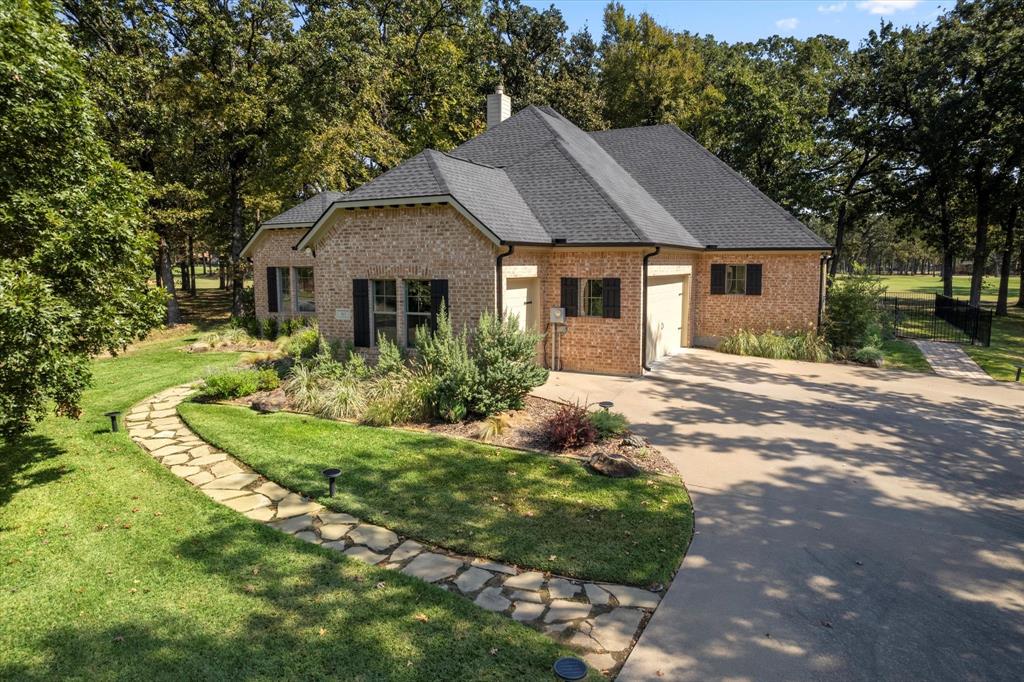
{"x":499,"y":107}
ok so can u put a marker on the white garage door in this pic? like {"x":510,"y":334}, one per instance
{"x":666,"y":312}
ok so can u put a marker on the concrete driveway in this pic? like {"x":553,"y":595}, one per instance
{"x":852,"y":524}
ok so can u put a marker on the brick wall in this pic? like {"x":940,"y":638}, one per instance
{"x":274,"y":249}
{"x":422,"y":242}
{"x":788,"y":300}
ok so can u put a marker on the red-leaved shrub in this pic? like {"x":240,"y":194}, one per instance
{"x":570,"y":427}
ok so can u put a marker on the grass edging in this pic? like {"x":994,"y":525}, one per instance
{"x":519,"y":507}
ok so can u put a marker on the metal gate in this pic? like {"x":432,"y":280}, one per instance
{"x":938,"y":318}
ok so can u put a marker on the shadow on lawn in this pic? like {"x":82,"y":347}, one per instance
{"x":848,"y":531}
{"x":20,"y":455}
{"x":301,"y":612}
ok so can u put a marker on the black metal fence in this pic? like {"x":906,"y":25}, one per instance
{"x":935,"y":317}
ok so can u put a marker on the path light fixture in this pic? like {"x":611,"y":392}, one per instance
{"x":569,"y":669}
{"x":113,"y":420}
{"x":331,"y":475}
{"x":606,"y":405}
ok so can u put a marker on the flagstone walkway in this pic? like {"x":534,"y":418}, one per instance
{"x":601,"y":619}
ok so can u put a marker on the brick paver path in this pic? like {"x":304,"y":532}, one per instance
{"x":950,"y":360}
{"x":602,"y":619}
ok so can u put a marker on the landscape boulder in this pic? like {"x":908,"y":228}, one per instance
{"x":634,"y":441}
{"x":610,"y":464}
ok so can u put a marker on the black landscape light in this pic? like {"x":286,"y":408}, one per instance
{"x":569,"y":668}
{"x":331,"y":475}
{"x":606,"y":405}
{"x":113,"y":420}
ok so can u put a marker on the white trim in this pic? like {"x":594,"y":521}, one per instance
{"x":393,"y":202}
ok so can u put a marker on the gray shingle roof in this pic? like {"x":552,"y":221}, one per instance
{"x":536,"y":178}
{"x":713,"y":202}
{"x":308,"y":211}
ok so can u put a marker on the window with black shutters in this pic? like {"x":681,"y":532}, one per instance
{"x":305,"y":292}
{"x":417,"y":308}
{"x":384,"y":305}
{"x":593,"y":298}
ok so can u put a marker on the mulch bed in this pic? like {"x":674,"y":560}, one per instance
{"x":524,"y":431}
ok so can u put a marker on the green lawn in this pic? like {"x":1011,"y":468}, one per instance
{"x":900,"y":354}
{"x":927,"y":284}
{"x":1007,"y":347}
{"x":113,"y":569}
{"x":525,"y":508}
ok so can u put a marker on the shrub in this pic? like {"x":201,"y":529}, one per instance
{"x":505,"y":358}
{"x":237,"y":383}
{"x":389,"y":357}
{"x":231,"y":336}
{"x":492,"y":427}
{"x":609,"y":424}
{"x":853,"y":315}
{"x":268,"y":329}
{"x":570,"y":427}
{"x":444,"y":357}
{"x":396,"y":398}
{"x":339,"y":399}
{"x":808,"y":346}
{"x":869,"y":355}
{"x":302,"y":344}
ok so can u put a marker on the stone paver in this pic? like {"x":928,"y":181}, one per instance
{"x":335,"y":531}
{"x":433,"y":567}
{"x":490,"y":598}
{"x":526,"y":610}
{"x":374,"y":537}
{"x":406,"y":550}
{"x":556,"y":610}
{"x":563,"y":609}
{"x":471,"y":580}
{"x":950,"y":360}
{"x":531,"y":580}
{"x":633,"y":596}
{"x":365,"y":554}
{"x":560,"y":588}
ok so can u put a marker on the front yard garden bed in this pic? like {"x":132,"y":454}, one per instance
{"x":523,"y":508}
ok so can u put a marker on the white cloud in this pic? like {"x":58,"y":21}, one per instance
{"x":833,"y":8}
{"x":887,"y":6}
{"x":788,"y":23}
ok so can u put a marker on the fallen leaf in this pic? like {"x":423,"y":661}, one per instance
{"x":494,"y":651}
{"x":421,"y":617}
{"x":323,"y":631}
{"x":379,"y":585}
{"x":119,"y":638}
{"x":249,"y":587}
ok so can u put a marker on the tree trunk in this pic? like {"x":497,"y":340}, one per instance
{"x":981,"y":216}
{"x":156,"y":265}
{"x":1004,"y":268}
{"x":1020,"y":266}
{"x":173,"y":313}
{"x":236,"y":207}
{"x":221,"y":273}
{"x":191,"y":266}
{"x":840,"y":238}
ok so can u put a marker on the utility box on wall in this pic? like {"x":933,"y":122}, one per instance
{"x":557,"y":316}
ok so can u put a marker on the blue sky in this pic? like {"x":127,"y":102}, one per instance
{"x":743,"y":20}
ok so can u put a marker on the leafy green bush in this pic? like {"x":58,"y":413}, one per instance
{"x":853,"y":316}
{"x":570,"y":427}
{"x":808,"y":346}
{"x":268,"y":329}
{"x":869,"y":355}
{"x":506,"y":361}
{"x":237,"y":383}
{"x":302,"y":344}
{"x":609,"y":424}
{"x":389,"y":357}
{"x":444,"y":356}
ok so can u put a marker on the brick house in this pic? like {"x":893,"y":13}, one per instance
{"x":647,"y":241}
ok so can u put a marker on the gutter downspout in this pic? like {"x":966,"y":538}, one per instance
{"x":822,"y":287}
{"x":501,"y":283}
{"x":643,"y":335}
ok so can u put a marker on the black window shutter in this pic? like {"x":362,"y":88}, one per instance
{"x":361,"y":313}
{"x":718,"y":278}
{"x":610,"y":295}
{"x":754,"y":279}
{"x":571,"y":296}
{"x":438,"y":295}
{"x":272,"y":303}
